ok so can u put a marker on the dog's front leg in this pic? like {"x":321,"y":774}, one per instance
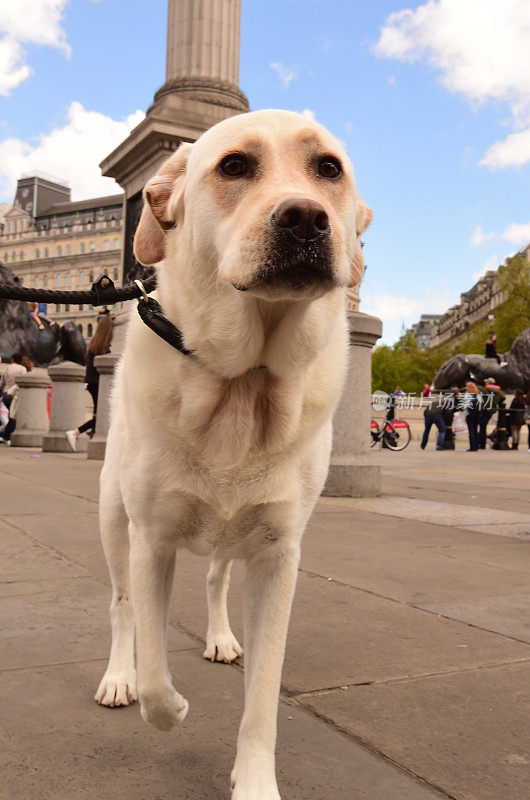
{"x":152,"y":567}
{"x":270,"y":583}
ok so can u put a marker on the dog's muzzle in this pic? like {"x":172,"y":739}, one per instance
{"x":299,"y":254}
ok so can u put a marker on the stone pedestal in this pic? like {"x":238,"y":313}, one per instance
{"x":68,"y":407}
{"x":32,"y":414}
{"x":105,"y":365}
{"x":352,"y":472}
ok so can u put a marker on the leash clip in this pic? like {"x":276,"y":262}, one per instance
{"x":142,"y":289}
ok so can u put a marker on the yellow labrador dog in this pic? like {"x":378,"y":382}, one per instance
{"x":255,"y":232}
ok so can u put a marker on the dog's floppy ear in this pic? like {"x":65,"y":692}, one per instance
{"x":161,"y":198}
{"x":362,"y":220}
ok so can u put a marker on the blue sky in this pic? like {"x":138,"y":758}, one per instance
{"x":431,"y":98}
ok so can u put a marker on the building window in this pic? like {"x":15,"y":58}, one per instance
{"x":92,"y":247}
{"x":13,"y":256}
{"x":67,"y":306}
{"x":91,"y":277}
{"x":106,"y":271}
{"x":106,"y":245}
{"x":82,"y":248}
{"x":67,"y":279}
{"x":89,"y":329}
{"x":36,"y":281}
{"x":45,"y":252}
{"x":80,"y":308}
{"x":58,"y":280}
{"x":68,"y":249}
{"x":57,"y":308}
{"x":116,"y":244}
{"x":59,"y":251}
{"x":37,"y":253}
{"x":45,"y":281}
{"x":80,"y":326}
{"x":115,"y":273}
{"x":81,"y":278}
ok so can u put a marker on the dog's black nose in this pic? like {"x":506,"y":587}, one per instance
{"x":305,"y":219}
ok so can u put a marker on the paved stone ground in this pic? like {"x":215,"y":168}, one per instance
{"x":407,"y":667}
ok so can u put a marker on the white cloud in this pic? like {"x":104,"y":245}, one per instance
{"x":285,"y":74}
{"x":71,"y":152}
{"x":517,"y":233}
{"x":310,"y":114}
{"x":27,"y":22}
{"x":492,"y":263}
{"x":481,"y":48}
{"x":478,"y":237}
{"x":514,"y":151}
{"x":391,"y":307}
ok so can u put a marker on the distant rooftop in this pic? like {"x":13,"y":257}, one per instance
{"x":83,"y":205}
{"x":46,"y":177}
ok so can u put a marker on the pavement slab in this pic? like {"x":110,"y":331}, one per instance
{"x":420,"y":619}
{"x":58,"y":743}
{"x":508,"y":615}
{"x":466,"y":732}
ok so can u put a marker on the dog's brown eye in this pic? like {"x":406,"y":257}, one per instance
{"x":329,"y":167}
{"x":234,"y":166}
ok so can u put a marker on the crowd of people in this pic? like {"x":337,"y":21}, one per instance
{"x":473,"y":409}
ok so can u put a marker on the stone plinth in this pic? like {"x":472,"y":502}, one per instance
{"x":32,"y":413}
{"x":68,"y":407}
{"x":352,"y":472}
{"x":105,"y":365}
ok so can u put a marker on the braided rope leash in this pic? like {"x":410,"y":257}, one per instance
{"x":102,"y":293}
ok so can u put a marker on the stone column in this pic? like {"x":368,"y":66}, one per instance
{"x":68,"y":409}
{"x":105,"y":365}
{"x":203,"y":39}
{"x":352,"y":472}
{"x":32,"y":413}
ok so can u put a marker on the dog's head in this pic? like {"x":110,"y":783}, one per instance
{"x":266,"y":201}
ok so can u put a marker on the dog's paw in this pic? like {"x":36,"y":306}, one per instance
{"x":163,"y":707}
{"x":249,"y":782}
{"x":222,"y":648}
{"x":117,"y":689}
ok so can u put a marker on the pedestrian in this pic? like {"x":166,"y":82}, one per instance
{"x":426,"y":390}
{"x":9,"y":377}
{"x":434,"y":416}
{"x":517,"y":412}
{"x":491,"y":397}
{"x":471,"y":404}
{"x":99,"y":345}
{"x":12,"y":393}
{"x":450,"y":404}
{"x":527,"y":415}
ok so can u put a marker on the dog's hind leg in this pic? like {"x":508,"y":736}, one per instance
{"x":221,"y":644}
{"x":118,"y":685}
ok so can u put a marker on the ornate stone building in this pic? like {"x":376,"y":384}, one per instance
{"x":51,"y":242}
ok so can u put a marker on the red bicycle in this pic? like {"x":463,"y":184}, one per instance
{"x":393,"y":433}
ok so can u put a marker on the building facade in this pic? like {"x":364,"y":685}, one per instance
{"x":51,"y":242}
{"x":482,"y":299}
{"x":422,"y":330}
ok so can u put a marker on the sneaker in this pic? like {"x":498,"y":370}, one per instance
{"x":72,"y":440}
{"x":5,"y":441}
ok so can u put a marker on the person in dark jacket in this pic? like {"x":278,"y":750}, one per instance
{"x":517,"y":409}
{"x":99,"y":345}
{"x":434,"y":416}
{"x":472,"y":405}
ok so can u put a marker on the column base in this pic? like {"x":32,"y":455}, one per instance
{"x":352,"y":478}
{"x":56,"y":442}
{"x":96,"y":447}
{"x":27,"y":438}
